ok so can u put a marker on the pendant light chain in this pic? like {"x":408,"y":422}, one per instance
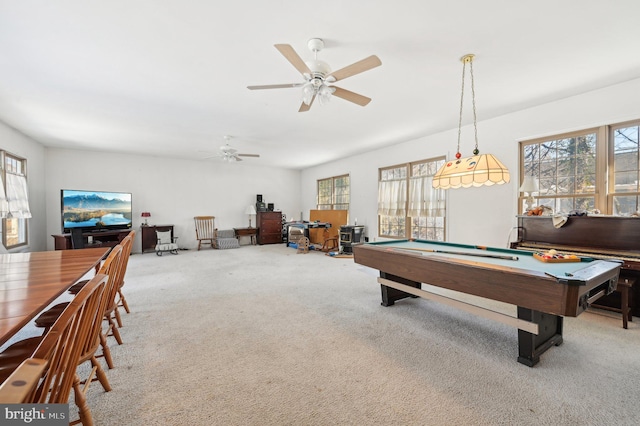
{"x":473,"y":101}
{"x":458,"y":154}
{"x":477,"y":170}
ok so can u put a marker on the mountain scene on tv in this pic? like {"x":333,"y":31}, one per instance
{"x":96,"y":209}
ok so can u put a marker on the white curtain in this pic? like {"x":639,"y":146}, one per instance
{"x":4,"y":205}
{"x":424,"y":199}
{"x":392,"y":198}
{"x":16,"y":199}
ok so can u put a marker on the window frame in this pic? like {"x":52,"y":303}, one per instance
{"x":604,"y":166}
{"x":21,"y":222}
{"x":407,"y":176}
{"x":334,"y":195}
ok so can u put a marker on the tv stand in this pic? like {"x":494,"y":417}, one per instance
{"x":108,"y":238}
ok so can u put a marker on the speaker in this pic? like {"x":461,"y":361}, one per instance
{"x":259,"y":198}
{"x":270,"y":207}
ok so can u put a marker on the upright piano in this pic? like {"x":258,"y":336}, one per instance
{"x":600,"y":237}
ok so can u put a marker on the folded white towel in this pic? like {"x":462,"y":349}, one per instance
{"x":559,"y":220}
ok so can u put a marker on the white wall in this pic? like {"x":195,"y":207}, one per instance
{"x":174,"y":191}
{"x":477,"y":215}
{"x":20,"y":145}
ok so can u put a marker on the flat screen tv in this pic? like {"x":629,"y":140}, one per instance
{"x":95,"y":210}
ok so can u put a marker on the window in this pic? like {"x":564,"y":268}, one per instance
{"x":624,"y":177}
{"x":15,"y":206}
{"x":408,"y":205}
{"x":593,"y":169}
{"x":333,"y":193}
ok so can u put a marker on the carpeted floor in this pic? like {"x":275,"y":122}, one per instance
{"x":262,"y":335}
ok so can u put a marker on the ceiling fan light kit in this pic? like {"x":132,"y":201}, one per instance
{"x":317,"y":76}
{"x":478,"y":170}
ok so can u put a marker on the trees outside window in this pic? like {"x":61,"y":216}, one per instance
{"x":593,"y":169}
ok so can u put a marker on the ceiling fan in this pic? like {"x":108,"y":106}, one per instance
{"x":229,"y":154}
{"x":318,"y":76}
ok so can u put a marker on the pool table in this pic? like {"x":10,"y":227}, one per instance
{"x":544,"y":292}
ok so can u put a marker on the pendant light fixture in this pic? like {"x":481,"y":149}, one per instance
{"x":478,"y":170}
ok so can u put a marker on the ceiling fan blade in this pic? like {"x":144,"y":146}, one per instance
{"x":295,"y":59}
{"x":351,"y":96}
{"x":248,"y":155}
{"x":275,"y":86}
{"x":304,"y":107}
{"x":356,"y":68}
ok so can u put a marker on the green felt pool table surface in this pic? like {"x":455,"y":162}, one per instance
{"x":525,"y":259}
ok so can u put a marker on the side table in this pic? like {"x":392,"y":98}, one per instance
{"x":246,"y":232}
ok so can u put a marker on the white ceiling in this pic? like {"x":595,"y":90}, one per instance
{"x":169,"y":77}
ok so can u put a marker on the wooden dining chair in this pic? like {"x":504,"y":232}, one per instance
{"x":111,"y":266}
{"x":127,"y":244}
{"x":46,"y":318}
{"x":205,"y":230}
{"x":21,"y":384}
{"x":61,"y":348}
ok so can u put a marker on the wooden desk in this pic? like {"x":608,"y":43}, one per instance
{"x":246,"y":232}
{"x":29,"y":282}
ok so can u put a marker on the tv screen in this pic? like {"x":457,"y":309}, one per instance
{"x":95,"y":210}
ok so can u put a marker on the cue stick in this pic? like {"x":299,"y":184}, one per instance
{"x":494,"y":256}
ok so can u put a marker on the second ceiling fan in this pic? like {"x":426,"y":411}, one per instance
{"x":318,"y":77}
{"x":229,"y":154}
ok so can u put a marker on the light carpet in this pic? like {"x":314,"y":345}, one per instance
{"x":262,"y":335}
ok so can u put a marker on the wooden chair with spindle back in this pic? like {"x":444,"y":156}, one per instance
{"x":205,"y":230}
{"x":20,"y":385}
{"x":61,"y":348}
{"x":110,"y":266}
{"x":127,"y":244}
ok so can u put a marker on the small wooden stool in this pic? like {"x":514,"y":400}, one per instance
{"x":625,"y":288}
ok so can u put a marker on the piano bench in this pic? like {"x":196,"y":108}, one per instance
{"x":625,"y":288}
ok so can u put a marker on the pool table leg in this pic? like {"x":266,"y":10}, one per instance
{"x":531,"y":346}
{"x":390,"y":294}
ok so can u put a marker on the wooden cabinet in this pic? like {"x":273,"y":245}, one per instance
{"x":149,"y":238}
{"x":269,"y":227}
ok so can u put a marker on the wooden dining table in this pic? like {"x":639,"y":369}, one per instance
{"x":29,"y":282}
